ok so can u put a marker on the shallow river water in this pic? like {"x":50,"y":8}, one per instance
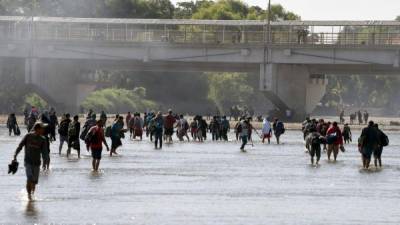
{"x":209,"y":183}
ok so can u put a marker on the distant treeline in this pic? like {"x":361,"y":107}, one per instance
{"x":204,"y":92}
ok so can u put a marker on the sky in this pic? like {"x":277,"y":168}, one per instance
{"x":337,"y":9}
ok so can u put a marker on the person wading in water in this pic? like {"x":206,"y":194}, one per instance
{"x":94,"y":140}
{"x":35,"y":147}
{"x":334,"y":139}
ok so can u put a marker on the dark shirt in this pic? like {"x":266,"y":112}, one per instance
{"x":370,"y":137}
{"x":35,"y":145}
{"x":158,"y":124}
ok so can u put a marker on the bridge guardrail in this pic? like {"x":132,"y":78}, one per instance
{"x":279,"y":35}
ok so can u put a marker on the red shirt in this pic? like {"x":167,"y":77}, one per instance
{"x":332,"y":130}
{"x":98,"y":144}
{"x":169,"y":121}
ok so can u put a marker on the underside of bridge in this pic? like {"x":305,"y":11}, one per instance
{"x":294,"y":89}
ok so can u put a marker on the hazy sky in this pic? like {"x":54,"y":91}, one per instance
{"x":337,"y":9}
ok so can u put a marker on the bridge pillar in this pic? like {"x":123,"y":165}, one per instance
{"x":56,"y":81}
{"x":292,"y":89}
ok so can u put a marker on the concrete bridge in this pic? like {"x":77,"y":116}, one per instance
{"x":292,"y":57}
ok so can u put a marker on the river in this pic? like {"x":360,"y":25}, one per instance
{"x":208,"y":183}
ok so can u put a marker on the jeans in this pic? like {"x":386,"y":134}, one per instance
{"x":158,"y":136}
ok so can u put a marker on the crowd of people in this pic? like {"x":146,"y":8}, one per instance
{"x":362,"y":117}
{"x":160,"y":128}
{"x":332,"y":138}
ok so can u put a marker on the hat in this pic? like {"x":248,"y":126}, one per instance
{"x":40,"y":124}
{"x":13,"y":167}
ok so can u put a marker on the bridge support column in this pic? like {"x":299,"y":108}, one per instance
{"x":292,"y":89}
{"x":56,"y":81}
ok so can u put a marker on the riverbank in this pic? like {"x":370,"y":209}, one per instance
{"x":386,"y":123}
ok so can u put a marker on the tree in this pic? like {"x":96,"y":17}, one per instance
{"x":227,"y":89}
{"x":236,"y":10}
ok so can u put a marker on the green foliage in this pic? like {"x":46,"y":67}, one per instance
{"x":35,"y":100}
{"x":363,"y":90}
{"x":237,"y":10}
{"x":115,"y":100}
{"x":12,"y":88}
{"x":227,"y":89}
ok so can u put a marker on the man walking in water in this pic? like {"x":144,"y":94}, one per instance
{"x":243,"y":129}
{"x":279,"y":129}
{"x":334,"y":140}
{"x":368,"y":143}
{"x":117,"y":130}
{"x":383,"y":141}
{"x":63,"y":131}
{"x":35,"y":147}
{"x":73,"y":136}
{"x":95,"y":139}
{"x":169,"y":126}
{"x":158,"y":123}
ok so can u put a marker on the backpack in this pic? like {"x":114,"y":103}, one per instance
{"x":63,"y":130}
{"x":17,"y":131}
{"x":384,"y":140}
{"x":280,"y":127}
{"x":108,"y":131}
{"x":238,"y":128}
{"x":72,"y":129}
{"x":92,"y":137}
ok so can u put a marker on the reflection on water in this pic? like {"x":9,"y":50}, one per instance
{"x":209,"y":183}
{"x":31,"y":210}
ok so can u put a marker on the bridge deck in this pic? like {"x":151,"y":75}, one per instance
{"x":296,"y":33}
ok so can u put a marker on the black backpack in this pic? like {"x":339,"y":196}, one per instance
{"x":384,"y":140}
{"x":63,"y":130}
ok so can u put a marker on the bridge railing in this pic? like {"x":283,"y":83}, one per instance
{"x":280,"y":35}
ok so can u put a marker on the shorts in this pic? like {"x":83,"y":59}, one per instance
{"x":32,"y":173}
{"x":96,"y":153}
{"x":315,"y":150}
{"x":115,"y":142}
{"x":169,"y":131}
